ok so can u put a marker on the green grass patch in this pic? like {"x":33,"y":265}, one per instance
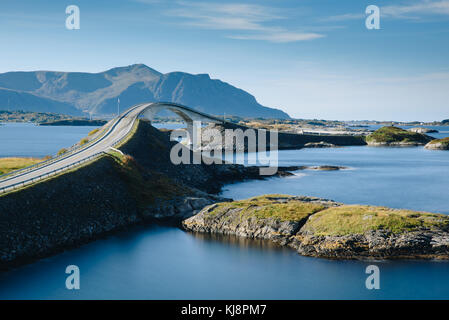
{"x":395,"y":134}
{"x":10,"y":164}
{"x":61,"y":151}
{"x":266,"y":207}
{"x":93,"y":132}
{"x":357,"y":219}
{"x":84,"y":141}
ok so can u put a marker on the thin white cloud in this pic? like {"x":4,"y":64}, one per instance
{"x":344,"y":17}
{"x":280,"y":37}
{"x":413,"y":11}
{"x":148,"y":1}
{"x":253,"y":22}
{"x":417,"y":9}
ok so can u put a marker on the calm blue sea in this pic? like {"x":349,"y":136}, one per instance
{"x":162,"y":262}
{"x":29,"y":140}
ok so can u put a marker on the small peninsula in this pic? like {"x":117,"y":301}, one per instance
{"x":438,"y":144}
{"x":394,"y":136}
{"x":324,"y":228}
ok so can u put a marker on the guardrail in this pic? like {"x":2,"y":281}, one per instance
{"x":48,"y":174}
{"x":105,"y":131}
{"x":70,"y":152}
{"x":65,"y":155}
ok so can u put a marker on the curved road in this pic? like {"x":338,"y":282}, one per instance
{"x":118,"y":129}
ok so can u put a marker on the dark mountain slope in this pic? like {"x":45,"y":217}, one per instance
{"x":13,"y":100}
{"x":98,"y":92}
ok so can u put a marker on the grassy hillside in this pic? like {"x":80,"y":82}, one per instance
{"x":357,"y":219}
{"x":263,"y":208}
{"x":388,"y":135}
{"x":325,"y":218}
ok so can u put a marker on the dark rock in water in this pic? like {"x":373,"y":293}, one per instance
{"x":320,"y":144}
{"x":327,"y":168}
{"x":422,"y":130}
{"x":181,"y":207}
{"x":322,"y":168}
{"x":323,"y":228}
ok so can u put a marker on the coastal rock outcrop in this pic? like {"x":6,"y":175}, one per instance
{"x":422,"y":130}
{"x":180,"y":207}
{"x":320,"y":144}
{"x":394,"y":136}
{"x":326,"y":168}
{"x":324,"y":228}
{"x":438,"y":144}
{"x":274,"y":217}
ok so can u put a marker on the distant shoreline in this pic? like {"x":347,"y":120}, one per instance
{"x":46,"y":118}
{"x":74,"y":122}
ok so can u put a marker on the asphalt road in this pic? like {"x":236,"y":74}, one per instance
{"x":118,"y":129}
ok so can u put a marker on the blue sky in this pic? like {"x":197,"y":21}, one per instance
{"x":311,"y":58}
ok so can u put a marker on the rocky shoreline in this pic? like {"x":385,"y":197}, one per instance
{"x":327,"y":229}
{"x":438,"y":144}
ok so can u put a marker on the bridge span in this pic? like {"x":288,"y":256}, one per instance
{"x":115,"y":131}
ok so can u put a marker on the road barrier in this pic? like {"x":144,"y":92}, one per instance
{"x":103,"y":134}
{"x":14,"y":174}
{"x":105,"y":131}
{"x":70,"y":152}
{"x":48,"y":174}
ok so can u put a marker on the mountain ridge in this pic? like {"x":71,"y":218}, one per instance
{"x":97,"y":93}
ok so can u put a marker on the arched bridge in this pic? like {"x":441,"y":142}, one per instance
{"x":113,"y":133}
{"x":189,"y":115}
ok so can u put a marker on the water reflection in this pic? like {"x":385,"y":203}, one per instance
{"x":241,"y":242}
